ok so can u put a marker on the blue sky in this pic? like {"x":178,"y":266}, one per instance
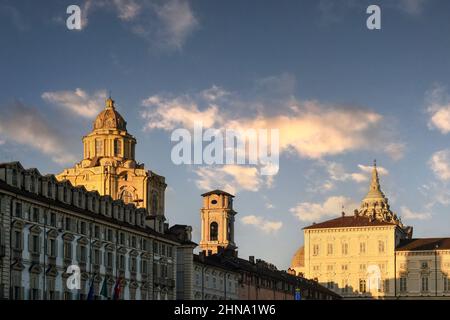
{"x":341,"y":95}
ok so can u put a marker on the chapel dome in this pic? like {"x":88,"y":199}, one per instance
{"x":298,"y":260}
{"x":109,"y":118}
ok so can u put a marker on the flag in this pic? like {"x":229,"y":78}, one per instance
{"x":104,"y":291}
{"x":117,"y":289}
{"x":91,"y":290}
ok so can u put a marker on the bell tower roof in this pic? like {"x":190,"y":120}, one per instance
{"x":375,"y":193}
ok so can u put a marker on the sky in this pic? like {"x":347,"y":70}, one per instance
{"x":340,"y":94}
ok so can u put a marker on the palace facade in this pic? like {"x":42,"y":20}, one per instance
{"x":103,"y":218}
{"x":371,"y":254}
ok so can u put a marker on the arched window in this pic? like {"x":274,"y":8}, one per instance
{"x":127,"y":197}
{"x":154,"y":203}
{"x":213,"y":231}
{"x":117,"y":147}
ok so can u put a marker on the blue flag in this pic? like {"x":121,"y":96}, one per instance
{"x":91,"y":290}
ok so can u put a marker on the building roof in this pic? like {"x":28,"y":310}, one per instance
{"x":89,"y":214}
{"x":217,"y":191}
{"x":349,"y":222}
{"x":424,"y":244}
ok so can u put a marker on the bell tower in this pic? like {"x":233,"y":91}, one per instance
{"x":217,"y":216}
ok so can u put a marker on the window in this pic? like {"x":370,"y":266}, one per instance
{"x":133,"y":242}
{"x":18,"y":210}
{"x":122,"y":262}
{"x":362,"y":247}
{"x":83,"y":254}
{"x":330,"y":267}
{"x":83,"y":228}
{"x":35,"y":215}
{"x":155,"y":247}
{"x":330,"y":249}
{"x":213,"y":231}
{"x":97,"y":257}
{"x":98,"y":147}
{"x":381,"y":246}
{"x":49,"y":189}
{"x":424,"y":265}
{"x":35,"y":243}
{"x":345,"y":248}
{"x":154,"y":203}
{"x":68,"y":224}
{"x":133,"y":264}
{"x":67,"y":250}
{"x":109,"y":235}
{"x":144,"y":266}
{"x":52,"y":248}
{"x":117,"y":147}
{"x":127,"y":197}
{"x":97,"y":232}
{"x":14,"y":177}
{"x":344,"y":267}
{"x":424,"y":284}
{"x":18,"y":240}
{"x":446,"y":283}
{"x":53,"y":219}
{"x":362,"y":267}
{"x":316,"y":250}
{"x":362,"y":285}
{"x":403,"y":287}
{"x":109,"y":259}
{"x":122,"y":238}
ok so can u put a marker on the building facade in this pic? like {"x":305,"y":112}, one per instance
{"x":371,"y":254}
{"x":102,"y":220}
{"x":220,"y":274}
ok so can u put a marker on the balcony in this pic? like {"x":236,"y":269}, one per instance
{"x":2,"y":251}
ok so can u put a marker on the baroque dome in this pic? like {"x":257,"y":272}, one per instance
{"x":298,"y":260}
{"x":109,"y":118}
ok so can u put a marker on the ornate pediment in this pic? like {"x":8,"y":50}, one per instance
{"x":35,"y":229}
{"x":134,"y":253}
{"x":122,"y":250}
{"x":83,"y":240}
{"x":35,"y":268}
{"x":18,"y":224}
{"x":52,"y":234}
{"x":68,"y":237}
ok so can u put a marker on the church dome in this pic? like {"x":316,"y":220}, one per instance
{"x":298,"y":260}
{"x":109,"y":118}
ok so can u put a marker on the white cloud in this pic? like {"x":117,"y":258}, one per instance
{"x":266,"y":226}
{"x":170,"y":113}
{"x":178,"y":22}
{"x":337,"y":172}
{"x":395,"y":150}
{"x":24,"y":125}
{"x":440,"y":164}
{"x":331,"y":207}
{"x":408,"y":214}
{"x":78,"y":102}
{"x":412,"y":7}
{"x":230,"y":178}
{"x":310,"y":129}
{"x":438,"y":107}
{"x":165,"y":24}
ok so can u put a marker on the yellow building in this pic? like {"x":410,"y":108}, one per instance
{"x":372,"y":254}
{"x":109,"y":167}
